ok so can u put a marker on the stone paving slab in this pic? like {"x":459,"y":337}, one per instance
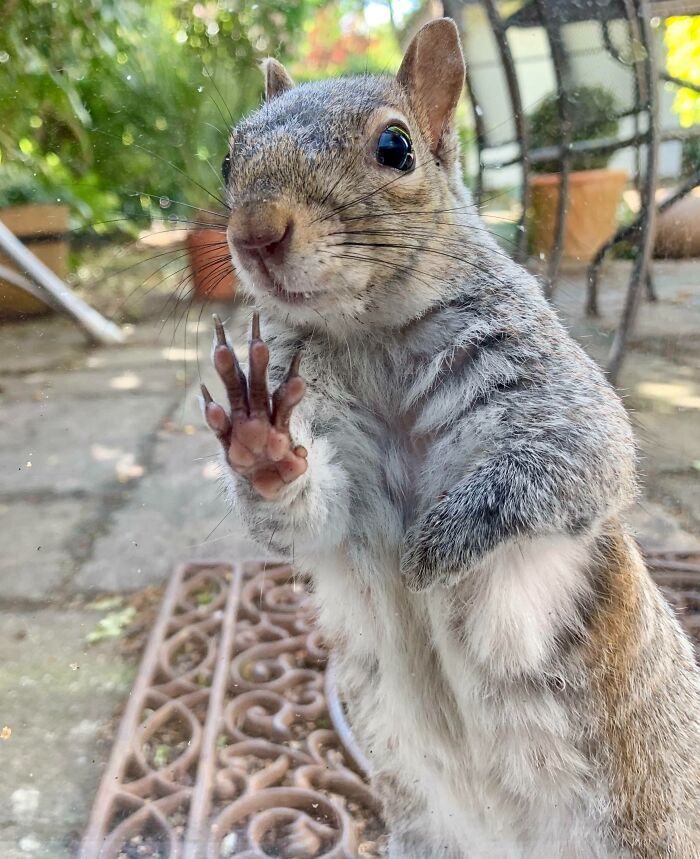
{"x":41,"y":557}
{"x":47,"y":343}
{"x":676,"y":314}
{"x":123,"y":486}
{"x":657,"y":530}
{"x":680,"y":495}
{"x":81,"y":445}
{"x":162,"y":350}
{"x":59,"y":698}
{"x":175,"y":512}
{"x":668,"y":442}
{"x":42,"y":386}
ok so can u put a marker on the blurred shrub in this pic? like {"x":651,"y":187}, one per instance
{"x":682,"y":38}
{"x":338,"y":41}
{"x":593,"y":111}
{"x":105,"y":102}
{"x":18,"y":187}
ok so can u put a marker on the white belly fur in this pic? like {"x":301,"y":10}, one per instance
{"x":435,"y":688}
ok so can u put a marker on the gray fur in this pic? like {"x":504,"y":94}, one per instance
{"x":466,"y":459}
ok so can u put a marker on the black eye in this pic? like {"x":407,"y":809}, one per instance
{"x":395,"y":148}
{"x":226,"y":167}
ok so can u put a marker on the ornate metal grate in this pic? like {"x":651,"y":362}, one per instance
{"x":226,"y":747}
{"x":678,"y":575}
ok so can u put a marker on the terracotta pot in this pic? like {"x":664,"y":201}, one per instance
{"x":212,"y":271}
{"x":43,"y":227}
{"x":678,"y":229}
{"x":594,"y":197}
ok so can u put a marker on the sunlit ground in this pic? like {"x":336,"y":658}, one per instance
{"x":110,"y":480}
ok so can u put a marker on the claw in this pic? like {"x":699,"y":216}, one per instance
{"x":258,"y":398}
{"x":230,"y":372}
{"x":294,"y":366}
{"x":216,"y":417}
{"x":220,"y":332}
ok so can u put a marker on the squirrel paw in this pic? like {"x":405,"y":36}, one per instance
{"x":418,"y":566}
{"x":255,"y":432}
{"x":424,"y":563}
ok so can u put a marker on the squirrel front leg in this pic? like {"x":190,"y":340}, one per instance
{"x":287,"y":485}
{"x":523,"y":493}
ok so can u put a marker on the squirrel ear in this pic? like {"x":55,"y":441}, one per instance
{"x":277,"y":79}
{"x":432,"y":72}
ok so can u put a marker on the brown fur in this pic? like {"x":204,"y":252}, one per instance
{"x":433,"y":71}
{"x":648,"y":733}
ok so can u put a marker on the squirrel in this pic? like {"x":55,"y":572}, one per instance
{"x":450,"y":468}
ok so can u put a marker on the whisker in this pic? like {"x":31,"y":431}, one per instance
{"x":422,"y":249}
{"x":153,"y":274}
{"x":223,"y":519}
{"x":217,"y":270}
{"x":343,"y":174}
{"x":231,"y":120}
{"x":423,"y":232}
{"x":182,"y":291}
{"x":181,"y":254}
{"x":216,"y":128}
{"x":218,"y":175}
{"x":169,"y":163}
{"x":408,"y":212}
{"x":427,"y":283}
{"x":178,"y":202}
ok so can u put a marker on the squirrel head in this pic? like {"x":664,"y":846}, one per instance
{"x":347,"y":205}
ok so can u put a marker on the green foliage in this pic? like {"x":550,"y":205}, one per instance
{"x":682,"y":38}
{"x":112,"y":625}
{"x":106,"y":102}
{"x":18,"y":187}
{"x":593,"y":111}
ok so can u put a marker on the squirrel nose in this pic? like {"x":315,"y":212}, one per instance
{"x":268,"y":243}
{"x":265,"y":230}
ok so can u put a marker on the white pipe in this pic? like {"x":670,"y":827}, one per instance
{"x":100,"y":329}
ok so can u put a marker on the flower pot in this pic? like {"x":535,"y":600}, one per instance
{"x":594,"y":197}
{"x":678,"y":228}
{"x":212,"y":271}
{"x":43,"y":227}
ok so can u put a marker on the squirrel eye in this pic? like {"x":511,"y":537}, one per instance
{"x":226,"y":167}
{"x":395,"y":148}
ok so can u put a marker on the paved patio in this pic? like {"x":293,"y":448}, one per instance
{"x":108,"y":480}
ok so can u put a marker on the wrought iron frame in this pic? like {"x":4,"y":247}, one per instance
{"x":647,"y":136}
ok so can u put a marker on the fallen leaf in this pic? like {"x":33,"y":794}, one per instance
{"x":106,"y":603}
{"x":112,"y":625}
{"x":161,"y":755}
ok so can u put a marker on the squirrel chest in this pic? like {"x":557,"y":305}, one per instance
{"x":397,"y":467}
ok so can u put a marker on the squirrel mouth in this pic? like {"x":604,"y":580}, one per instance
{"x":296,"y":297}
{"x":267,"y":281}
{"x":275,"y":288}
